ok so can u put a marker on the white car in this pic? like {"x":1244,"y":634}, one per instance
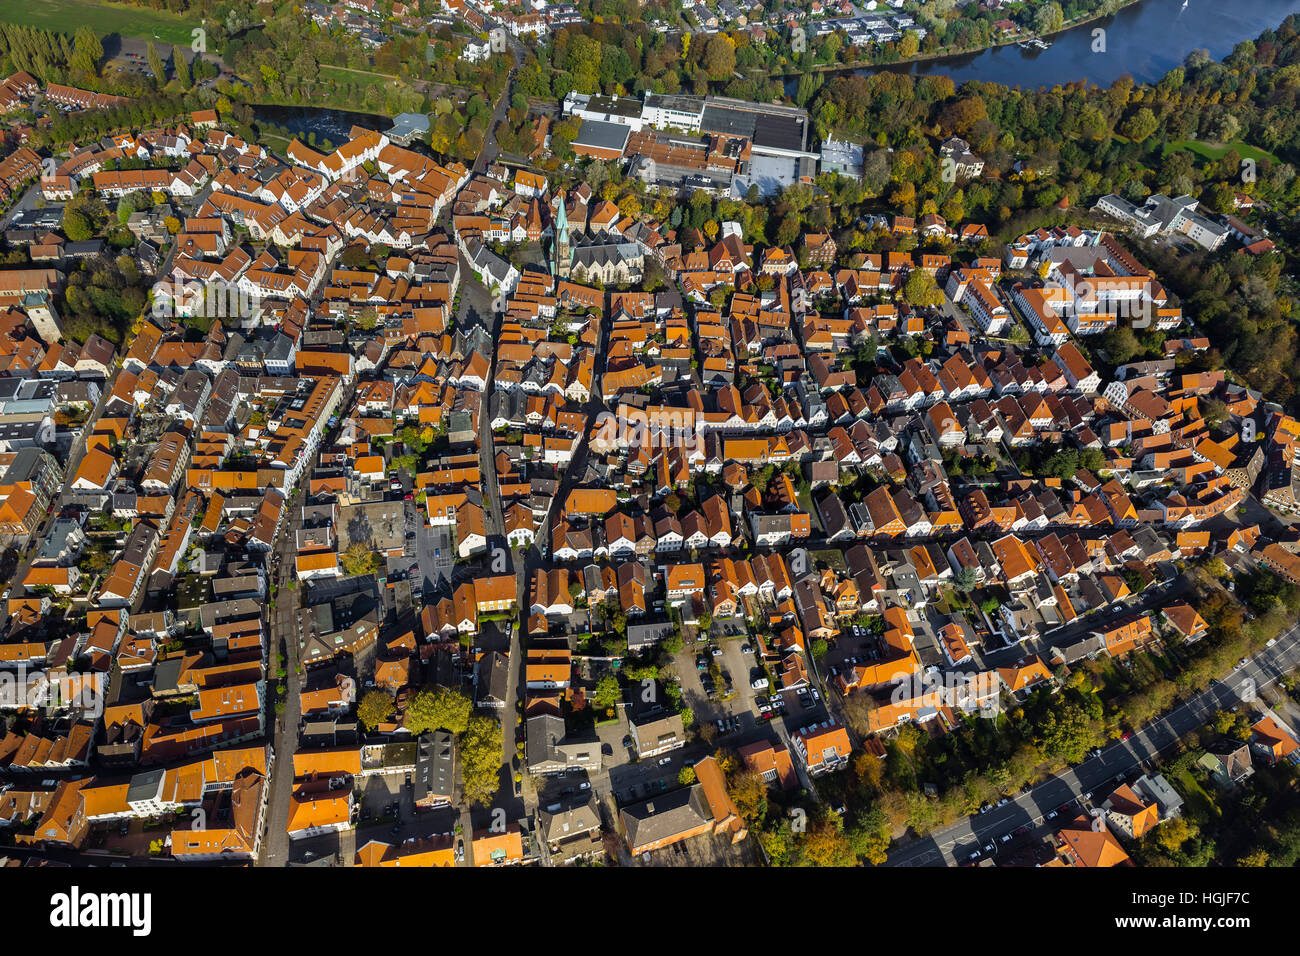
{"x":666,"y":761}
{"x":759,"y":683}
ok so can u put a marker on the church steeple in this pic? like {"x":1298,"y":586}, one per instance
{"x":563,"y":256}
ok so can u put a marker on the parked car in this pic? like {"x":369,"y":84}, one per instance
{"x":760,"y":683}
{"x":460,"y":850}
{"x":666,"y":761}
{"x":717,"y":652}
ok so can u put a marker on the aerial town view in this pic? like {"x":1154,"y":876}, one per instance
{"x":649,"y":434}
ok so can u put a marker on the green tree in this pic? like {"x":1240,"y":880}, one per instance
{"x":965,"y":580}
{"x":920,"y":289}
{"x":76,"y":226}
{"x":375,"y":708}
{"x":87,"y":51}
{"x":1049,"y":18}
{"x":608,"y":693}
{"x":360,"y":558}
{"x":438,"y":708}
{"x":156,"y":64}
{"x":480,"y":758}
{"x":1140,"y":125}
{"x":181,"y":66}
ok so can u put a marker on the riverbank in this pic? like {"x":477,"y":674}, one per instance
{"x":1144,"y":40}
{"x":921,"y":59}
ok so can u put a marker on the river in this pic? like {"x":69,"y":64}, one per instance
{"x":326,"y":123}
{"x":1145,"y":40}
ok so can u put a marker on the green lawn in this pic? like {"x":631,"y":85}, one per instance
{"x":1215,"y":151}
{"x":65,"y":16}
{"x":362,"y":79}
{"x":1200,"y":805}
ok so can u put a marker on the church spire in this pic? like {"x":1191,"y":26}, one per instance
{"x":563,"y":255}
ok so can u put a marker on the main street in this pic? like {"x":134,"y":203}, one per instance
{"x":1098,"y":775}
{"x":282,"y":620}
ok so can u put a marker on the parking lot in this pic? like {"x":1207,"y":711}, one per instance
{"x":853,"y":642}
{"x":387,"y":811}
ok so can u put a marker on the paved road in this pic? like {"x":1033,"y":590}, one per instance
{"x":954,"y":844}
{"x":283,"y":624}
{"x":490,"y":149}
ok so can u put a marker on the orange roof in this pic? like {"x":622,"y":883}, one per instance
{"x":334,"y":760}
{"x":491,"y":849}
{"x":1092,"y":848}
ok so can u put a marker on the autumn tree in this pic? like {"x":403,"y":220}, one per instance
{"x":360,"y":558}
{"x":748,"y":792}
{"x":1140,"y":125}
{"x":181,"y":66}
{"x":480,"y":758}
{"x":920,"y":289}
{"x":438,"y":708}
{"x":156,"y":64}
{"x":719,"y":57}
{"x":375,"y":708}
{"x":824,"y":844}
{"x":1049,"y":18}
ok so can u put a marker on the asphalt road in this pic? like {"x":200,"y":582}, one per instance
{"x":1097,"y":775}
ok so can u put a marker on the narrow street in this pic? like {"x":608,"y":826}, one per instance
{"x":283,"y":638}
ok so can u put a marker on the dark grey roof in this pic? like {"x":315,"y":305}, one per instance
{"x":665,"y":816}
{"x":599,"y":135}
{"x":435,"y":766}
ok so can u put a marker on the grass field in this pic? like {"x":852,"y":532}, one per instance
{"x":362,"y":79}
{"x":65,"y":16}
{"x":1215,"y":151}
